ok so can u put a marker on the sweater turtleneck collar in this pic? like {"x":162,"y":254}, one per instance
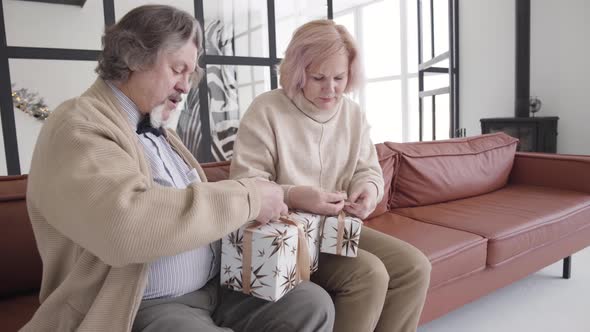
{"x":316,"y":114}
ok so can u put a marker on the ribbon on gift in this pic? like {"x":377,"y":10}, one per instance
{"x":247,"y":257}
{"x":303,"y":264}
{"x":303,"y":261}
{"x":340,"y":231}
{"x":340,"y":234}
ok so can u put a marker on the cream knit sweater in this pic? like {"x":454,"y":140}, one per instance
{"x":292,"y":142}
{"x":99,"y":219}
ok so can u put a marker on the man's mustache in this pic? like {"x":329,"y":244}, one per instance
{"x":177,"y":98}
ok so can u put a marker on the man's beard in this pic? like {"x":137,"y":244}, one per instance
{"x":158,"y":114}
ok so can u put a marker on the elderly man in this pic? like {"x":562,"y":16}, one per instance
{"x":126,"y":224}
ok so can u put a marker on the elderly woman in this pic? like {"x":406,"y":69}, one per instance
{"x":314,"y":141}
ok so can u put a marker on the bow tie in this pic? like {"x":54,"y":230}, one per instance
{"x":145,"y":126}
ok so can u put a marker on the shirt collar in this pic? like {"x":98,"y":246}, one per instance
{"x":127,"y":105}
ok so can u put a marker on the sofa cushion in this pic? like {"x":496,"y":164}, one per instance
{"x":387,"y":159}
{"x":439,"y":171}
{"x":17,"y":311}
{"x":454,"y":254}
{"x":13,"y":185}
{"x":516,"y":219}
{"x":216,"y":171}
{"x":18,"y":249}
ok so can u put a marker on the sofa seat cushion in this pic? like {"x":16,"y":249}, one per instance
{"x":453,"y":254}
{"x":17,"y":311}
{"x":515,"y":219}
{"x":440,"y":171}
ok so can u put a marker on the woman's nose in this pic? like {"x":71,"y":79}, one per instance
{"x":329,"y":85}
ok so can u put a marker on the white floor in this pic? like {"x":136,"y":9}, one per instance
{"x":542,"y":302}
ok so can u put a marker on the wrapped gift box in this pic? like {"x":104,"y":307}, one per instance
{"x":265,"y":261}
{"x":312,"y":227}
{"x":341,"y":235}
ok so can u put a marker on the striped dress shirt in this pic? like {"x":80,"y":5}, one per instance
{"x":188,"y":271}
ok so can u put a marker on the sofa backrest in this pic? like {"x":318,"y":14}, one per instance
{"x":216,"y":171}
{"x":19,"y":258}
{"x":387,"y":160}
{"x":439,"y":171}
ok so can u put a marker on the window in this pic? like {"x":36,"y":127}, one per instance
{"x":438,"y":81}
{"x":243,"y":44}
{"x":409,"y":48}
{"x":382,"y":39}
{"x":387,"y":34}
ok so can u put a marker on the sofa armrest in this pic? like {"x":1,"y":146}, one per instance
{"x":570,"y":172}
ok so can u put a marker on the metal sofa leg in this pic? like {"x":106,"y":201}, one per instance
{"x":567,"y":267}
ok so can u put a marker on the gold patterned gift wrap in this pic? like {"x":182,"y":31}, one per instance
{"x":312,"y":227}
{"x":265,"y":260}
{"x":341,"y":235}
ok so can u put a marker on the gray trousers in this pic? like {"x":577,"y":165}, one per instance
{"x":305,"y":308}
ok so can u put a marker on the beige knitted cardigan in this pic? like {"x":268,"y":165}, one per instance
{"x":99,"y":219}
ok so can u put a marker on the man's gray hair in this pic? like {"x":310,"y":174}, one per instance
{"x":135,"y":42}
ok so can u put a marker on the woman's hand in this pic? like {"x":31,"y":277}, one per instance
{"x":315,"y":200}
{"x":362,"y":201}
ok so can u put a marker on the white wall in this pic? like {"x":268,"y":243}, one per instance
{"x":559,"y":68}
{"x":122,"y":7}
{"x":60,"y":80}
{"x":486,"y":61}
{"x":34,"y":24}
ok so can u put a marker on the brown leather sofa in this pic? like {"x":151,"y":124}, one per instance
{"x":484,"y":215}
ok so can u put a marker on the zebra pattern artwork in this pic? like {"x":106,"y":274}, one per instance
{"x":224,"y":115}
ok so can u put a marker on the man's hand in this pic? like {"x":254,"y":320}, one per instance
{"x":315,"y":200}
{"x":362,"y":201}
{"x":271,"y":198}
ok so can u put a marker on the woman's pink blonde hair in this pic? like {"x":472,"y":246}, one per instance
{"x":313,"y":42}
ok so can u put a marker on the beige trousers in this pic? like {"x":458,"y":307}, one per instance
{"x":382,"y":289}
